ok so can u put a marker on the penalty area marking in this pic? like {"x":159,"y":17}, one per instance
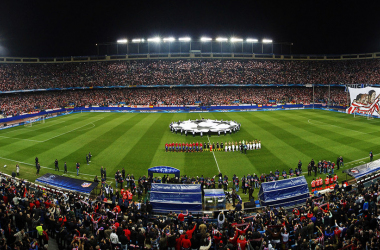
{"x":93,"y":126}
{"x":15,"y":138}
{"x":56,"y":135}
{"x":16,"y":130}
{"x":73,"y":130}
{"x":326,"y":124}
{"x":212,"y":151}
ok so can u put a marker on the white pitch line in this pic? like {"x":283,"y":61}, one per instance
{"x":360,"y":159}
{"x":326,"y":124}
{"x":16,"y":130}
{"x":93,"y":125}
{"x":212,"y":151}
{"x":15,"y":138}
{"x":72,"y":130}
{"x":44,"y":167}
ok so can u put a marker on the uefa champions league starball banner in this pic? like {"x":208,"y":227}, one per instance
{"x":364,"y":101}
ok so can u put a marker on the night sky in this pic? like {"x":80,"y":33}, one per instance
{"x":72,"y":28}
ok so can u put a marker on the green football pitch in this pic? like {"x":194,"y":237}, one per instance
{"x":136,"y":142}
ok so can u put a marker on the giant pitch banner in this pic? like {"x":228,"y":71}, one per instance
{"x":364,"y":101}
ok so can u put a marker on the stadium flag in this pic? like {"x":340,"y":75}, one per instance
{"x":364,"y":101}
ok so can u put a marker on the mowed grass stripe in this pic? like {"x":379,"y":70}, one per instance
{"x":318,"y":136}
{"x":295,"y":141}
{"x":67,"y":143}
{"x":369,"y":128}
{"x":142,"y":146}
{"x":200,"y":163}
{"x":28,"y":136}
{"x":192,"y":163}
{"x":234,"y":162}
{"x":41,"y":132}
{"x":334,"y":139}
{"x":102,"y":145}
{"x":10,"y":147}
{"x":267,"y":158}
{"x":15,"y":131}
{"x":162,"y":158}
{"x":115,"y":153}
{"x":342,"y":120}
{"x":83,"y":122}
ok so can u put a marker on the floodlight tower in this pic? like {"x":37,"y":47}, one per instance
{"x":121,"y":41}
{"x":138,"y":41}
{"x":205,"y":40}
{"x":267,"y":41}
{"x":169,"y":40}
{"x":154,"y":40}
{"x":252,"y":41}
{"x":181,"y":40}
{"x":235,"y":40}
{"x":221,"y":40}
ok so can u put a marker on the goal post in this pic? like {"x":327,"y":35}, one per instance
{"x":34,"y":120}
{"x":366,"y":115}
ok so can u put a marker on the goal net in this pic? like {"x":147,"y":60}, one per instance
{"x":365,"y":115}
{"x":35,"y":120}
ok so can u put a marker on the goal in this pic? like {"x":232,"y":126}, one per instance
{"x":366,"y":115}
{"x":35,"y":120}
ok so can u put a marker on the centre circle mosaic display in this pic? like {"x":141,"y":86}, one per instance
{"x":200,"y":126}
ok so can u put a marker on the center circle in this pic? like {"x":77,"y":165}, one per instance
{"x":199,"y":126}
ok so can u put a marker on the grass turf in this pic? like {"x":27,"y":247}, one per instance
{"x":136,"y":142}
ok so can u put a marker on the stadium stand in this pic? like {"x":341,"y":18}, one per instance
{"x":14,"y":104}
{"x":31,"y":214}
{"x":22,"y":76}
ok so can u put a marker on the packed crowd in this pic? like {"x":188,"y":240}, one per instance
{"x":186,"y":72}
{"x":31,"y":215}
{"x":13,"y":104}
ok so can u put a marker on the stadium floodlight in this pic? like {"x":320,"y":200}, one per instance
{"x":267,"y":41}
{"x":221,"y":39}
{"x":206,"y":39}
{"x":122,"y":41}
{"x":184,"y":39}
{"x":138,"y":40}
{"x":252,"y":40}
{"x":169,"y":39}
{"x":235,"y":39}
{"x":154,"y":39}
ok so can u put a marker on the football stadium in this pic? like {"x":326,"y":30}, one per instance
{"x":104,"y":137}
{"x":185,"y":141}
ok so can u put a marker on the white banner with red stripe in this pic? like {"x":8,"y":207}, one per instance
{"x":364,"y":101}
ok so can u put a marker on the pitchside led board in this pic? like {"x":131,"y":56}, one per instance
{"x":364,"y":101}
